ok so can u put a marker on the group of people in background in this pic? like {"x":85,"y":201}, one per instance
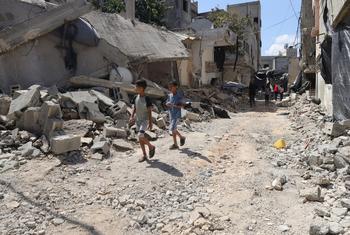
{"x":269,"y":89}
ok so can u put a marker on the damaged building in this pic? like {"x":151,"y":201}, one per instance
{"x":331,"y":32}
{"x":52,"y":51}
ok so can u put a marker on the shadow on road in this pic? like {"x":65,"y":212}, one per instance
{"x":193,"y":154}
{"x":90,"y":229}
{"x":165,"y":167}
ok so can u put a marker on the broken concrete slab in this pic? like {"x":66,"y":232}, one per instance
{"x":79,"y":127}
{"x":122,"y":145}
{"x":31,"y":98}
{"x":312,"y":194}
{"x":336,"y":129}
{"x":52,"y":125}
{"x":118,"y":111}
{"x":5,"y":102}
{"x":193,"y":116}
{"x":101,"y":146}
{"x":112,"y":132}
{"x":102,"y":98}
{"x":345,"y":153}
{"x":86,"y":140}
{"x":29,"y":120}
{"x":80,"y":81}
{"x":78,"y":97}
{"x":44,"y":23}
{"x":65,"y":143}
{"x":91,"y":111}
{"x":97,"y":156}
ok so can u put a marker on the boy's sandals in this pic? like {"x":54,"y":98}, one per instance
{"x":173,"y":147}
{"x":182,"y":141}
{"x":152,"y":152}
{"x":142,"y":159}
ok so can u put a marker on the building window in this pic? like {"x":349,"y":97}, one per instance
{"x":185,"y":5}
{"x":256,"y":20}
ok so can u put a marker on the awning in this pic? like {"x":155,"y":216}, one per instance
{"x":137,"y":40}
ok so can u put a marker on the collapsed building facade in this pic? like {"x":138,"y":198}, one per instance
{"x":50,"y":53}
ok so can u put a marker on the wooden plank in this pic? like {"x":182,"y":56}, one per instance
{"x":42,"y":24}
{"x":85,"y":81}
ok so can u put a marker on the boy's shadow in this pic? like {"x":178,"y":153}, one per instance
{"x":164,"y":167}
{"x":193,"y":154}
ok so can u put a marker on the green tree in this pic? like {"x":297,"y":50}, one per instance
{"x":147,"y":11}
{"x":151,"y":11}
{"x":110,"y":6}
{"x":234,"y":22}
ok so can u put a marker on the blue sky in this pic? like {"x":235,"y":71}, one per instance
{"x":273,"y":12}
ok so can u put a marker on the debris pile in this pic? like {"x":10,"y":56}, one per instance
{"x":323,"y":154}
{"x":39,"y":121}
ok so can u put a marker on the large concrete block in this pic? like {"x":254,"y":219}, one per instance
{"x":29,"y":121}
{"x":112,"y":132}
{"x":91,"y":111}
{"x":65,"y":143}
{"x":52,"y":125}
{"x":31,"y":98}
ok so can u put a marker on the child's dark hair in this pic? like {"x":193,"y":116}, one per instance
{"x":141,"y":83}
{"x":173,"y":83}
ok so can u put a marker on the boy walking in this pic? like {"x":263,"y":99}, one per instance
{"x":174,"y":104}
{"x":142,"y":109}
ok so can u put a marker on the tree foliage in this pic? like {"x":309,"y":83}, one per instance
{"x":151,"y":11}
{"x":147,"y":11}
{"x":234,"y":22}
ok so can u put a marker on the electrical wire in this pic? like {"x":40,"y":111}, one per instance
{"x":295,"y":12}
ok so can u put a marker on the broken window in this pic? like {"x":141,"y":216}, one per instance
{"x":256,"y":20}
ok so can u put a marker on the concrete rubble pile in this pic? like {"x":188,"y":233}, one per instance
{"x":323,"y":156}
{"x":40,"y":121}
{"x":210,"y":103}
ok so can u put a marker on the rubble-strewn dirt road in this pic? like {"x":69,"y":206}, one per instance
{"x":215,"y":184}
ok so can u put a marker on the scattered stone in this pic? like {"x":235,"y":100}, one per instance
{"x":122,"y":145}
{"x":101,"y":146}
{"x":97,"y":156}
{"x":278,"y":183}
{"x":283,"y":228}
{"x":345,"y":203}
{"x":322,"y":212}
{"x":57,"y":221}
{"x":335,"y":228}
{"x":340,"y":212}
{"x":30,"y":98}
{"x":339,"y":162}
{"x":312,"y":194}
{"x":319,"y":229}
{"x":12,"y":205}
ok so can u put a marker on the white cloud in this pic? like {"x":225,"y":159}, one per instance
{"x":279,"y":43}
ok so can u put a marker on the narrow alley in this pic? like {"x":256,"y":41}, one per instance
{"x":174,"y":117}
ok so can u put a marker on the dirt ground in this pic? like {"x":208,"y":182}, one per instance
{"x":216,"y":184}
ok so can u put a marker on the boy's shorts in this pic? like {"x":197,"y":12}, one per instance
{"x":173,"y":124}
{"x":141,"y":128}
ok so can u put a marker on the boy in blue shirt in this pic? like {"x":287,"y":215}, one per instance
{"x":142,"y":109}
{"x":174,"y":104}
